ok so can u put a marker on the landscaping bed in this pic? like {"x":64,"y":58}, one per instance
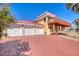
{"x":71,"y":34}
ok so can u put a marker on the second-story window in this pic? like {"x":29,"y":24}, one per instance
{"x":44,"y":19}
{"x":48,"y":19}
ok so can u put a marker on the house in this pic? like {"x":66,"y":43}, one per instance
{"x":46,"y":23}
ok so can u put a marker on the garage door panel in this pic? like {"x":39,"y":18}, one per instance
{"x":14,"y":32}
{"x":39,"y":31}
{"x":29,"y":31}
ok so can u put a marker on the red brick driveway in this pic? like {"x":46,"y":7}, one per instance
{"x":51,"y":45}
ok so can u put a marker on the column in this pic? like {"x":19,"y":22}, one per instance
{"x":34,"y":30}
{"x":23,"y":30}
{"x":46,"y":26}
{"x":60,"y":28}
{"x":57,"y":29}
{"x":54,"y":28}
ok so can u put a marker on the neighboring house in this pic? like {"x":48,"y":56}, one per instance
{"x":46,"y":23}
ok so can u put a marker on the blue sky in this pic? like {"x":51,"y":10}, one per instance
{"x":30,"y":11}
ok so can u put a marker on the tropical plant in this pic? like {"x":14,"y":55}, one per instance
{"x":76,"y":22}
{"x":5,"y":18}
{"x":75,"y":8}
{"x":71,"y":29}
{"x":77,"y":30}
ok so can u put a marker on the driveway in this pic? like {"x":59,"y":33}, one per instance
{"x":51,"y":45}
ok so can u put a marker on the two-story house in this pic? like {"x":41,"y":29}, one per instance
{"x":45,"y":24}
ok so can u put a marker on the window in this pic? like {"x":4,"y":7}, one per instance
{"x":48,"y":19}
{"x":44,"y":19}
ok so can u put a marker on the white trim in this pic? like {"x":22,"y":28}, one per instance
{"x":48,"y":13}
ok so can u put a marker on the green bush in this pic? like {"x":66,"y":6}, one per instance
{"x":71,"y":29}
{"x":77,"y":29}
{"x":1,"y":34}
{"x":1,"y":31}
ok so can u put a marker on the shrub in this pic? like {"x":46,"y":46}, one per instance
{"x":71,"y":29}
{"x":77,"y":29}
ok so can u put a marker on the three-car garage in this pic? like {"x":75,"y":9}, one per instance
{"x":24,"y":28}
{"x":17,"y":31}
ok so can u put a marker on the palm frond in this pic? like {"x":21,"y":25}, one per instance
{"x":69,"y":5}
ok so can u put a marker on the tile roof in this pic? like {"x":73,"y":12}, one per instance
{"x":60,"y":21}
{"x":54,"y":19}
{"x":24,"y":22}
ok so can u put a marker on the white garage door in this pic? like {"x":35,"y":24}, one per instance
{"x":39,"y":31}
{"x":29,"y":31}
{"x":14,"y":32}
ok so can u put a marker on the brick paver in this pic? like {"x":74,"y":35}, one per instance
{"x":51,"y":45}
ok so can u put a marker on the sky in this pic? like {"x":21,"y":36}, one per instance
{"x":30,"y":11}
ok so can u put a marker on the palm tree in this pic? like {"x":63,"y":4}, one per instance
{"x":5,"y":18}
{"x":75,"y":8}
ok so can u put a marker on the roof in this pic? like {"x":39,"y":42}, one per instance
{"x":24,"y":22}
{"x":60,"y":21}
{"x":55,"y":19}
{"x":47,"y":13}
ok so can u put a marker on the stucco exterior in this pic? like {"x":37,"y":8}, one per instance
{"x":45,"y":24}
{"x":57,"y":25}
